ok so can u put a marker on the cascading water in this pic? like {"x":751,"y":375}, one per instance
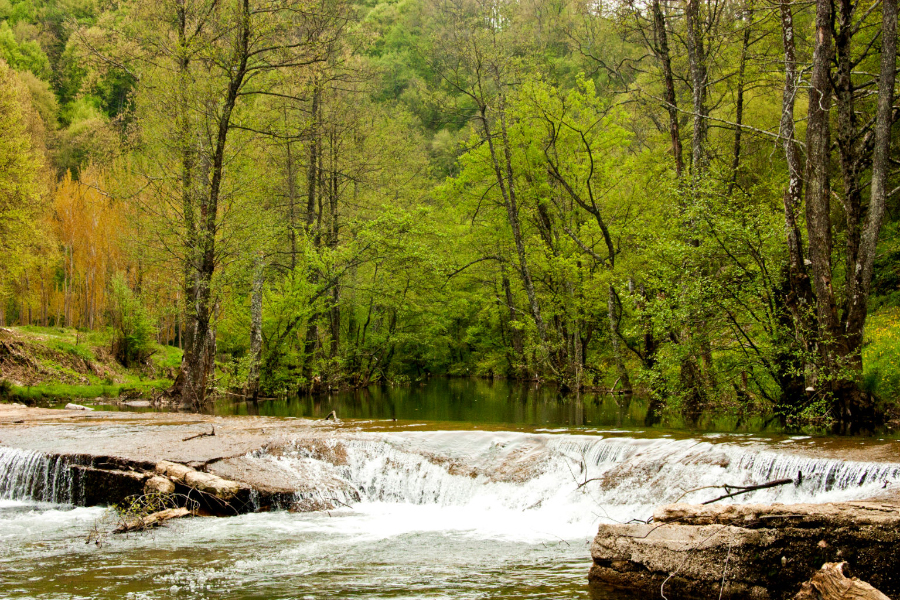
{"x":27,"y":475}
{"x":536,"y":483}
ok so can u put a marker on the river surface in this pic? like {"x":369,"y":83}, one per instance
{"x":473,"y":497}
{"x":479,"y":402}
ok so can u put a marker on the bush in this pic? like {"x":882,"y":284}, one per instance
{"x":133,"y":329}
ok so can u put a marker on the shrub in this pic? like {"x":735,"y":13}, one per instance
{"x":133,"y":329}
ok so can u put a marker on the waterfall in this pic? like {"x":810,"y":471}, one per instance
{"x":616,"y":478}
{"x":27,"y":475}
{"x":612,"y":478}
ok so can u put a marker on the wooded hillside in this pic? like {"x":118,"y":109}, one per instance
{"x":695,"y":199}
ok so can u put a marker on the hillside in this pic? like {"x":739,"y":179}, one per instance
{"x":46,"y":363}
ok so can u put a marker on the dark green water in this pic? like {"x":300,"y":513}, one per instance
{"x":483,"y":402}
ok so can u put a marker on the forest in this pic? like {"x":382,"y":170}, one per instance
{"x":697,"y":200}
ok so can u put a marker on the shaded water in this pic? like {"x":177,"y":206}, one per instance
{"x":479,"y":401}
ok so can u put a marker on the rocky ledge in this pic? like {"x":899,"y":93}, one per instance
{"x":95,"y":458}
{"x":749,"y":551}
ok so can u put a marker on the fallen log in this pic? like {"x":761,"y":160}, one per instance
{"x":151,"y":520}
{"x":830,"y":583}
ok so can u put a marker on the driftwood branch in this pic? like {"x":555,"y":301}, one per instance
{"x":200,"y":435}
{"x":151,"y":520}
{"x":749,"y":488}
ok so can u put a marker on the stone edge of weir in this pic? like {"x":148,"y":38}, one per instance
{"x":101,"y":458}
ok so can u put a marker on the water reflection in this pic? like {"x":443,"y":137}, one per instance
{"x":477,"y":401}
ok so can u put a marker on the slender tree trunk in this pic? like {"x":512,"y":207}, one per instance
{"x":661,"y":49}
{"x":333,"y":239}
{"x":739,"y":101}
{"x":292,"y":206}
{"x":518,"y":345}
{"x":188,"y":163}
{"x":505,"y":180}
{"x":795,"y":301}
{"x":699,"y":80}
{"x":613,"y":310}
{"x":256,"y":301}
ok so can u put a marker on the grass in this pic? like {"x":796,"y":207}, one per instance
{"x":881,"y":354}
{"x":57,"y":391}
{"x":167,"y":357}
{"x":89,"y":346}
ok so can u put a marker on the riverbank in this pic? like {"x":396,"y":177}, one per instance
{"x":51,"y":364}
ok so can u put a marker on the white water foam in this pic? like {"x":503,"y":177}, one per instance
{"x":25,"y":474}
{"x":541,"y":487}
{"x":516,"y":486}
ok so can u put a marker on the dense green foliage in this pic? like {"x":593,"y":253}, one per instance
{"x":334,"y":194}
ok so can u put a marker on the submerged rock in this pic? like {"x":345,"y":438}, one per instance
{"x":756,"y":551}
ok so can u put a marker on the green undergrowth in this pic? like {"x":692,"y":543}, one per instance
{"x":62,"y":391}
{"x":881,"y":354}
{"x":56,"y":364}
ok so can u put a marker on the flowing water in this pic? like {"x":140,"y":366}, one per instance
{"x":420,"y":514}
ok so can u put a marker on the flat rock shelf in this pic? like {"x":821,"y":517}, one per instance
{"x":751,"y":550}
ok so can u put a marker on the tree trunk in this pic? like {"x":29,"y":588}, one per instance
{"x":661,"y":50}
{"x":739,"y":101}
{"x":699,"y":79}
{"x":505,"y":181}
{"x":198,"y":364}
{"x":856,"y":410}
{"x":613,"y":310}
{"x":251,"y":390}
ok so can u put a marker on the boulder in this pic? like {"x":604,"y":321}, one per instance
{"x":159,"y":485}
{"x":748,"y":551}
{"x":71,"y":406}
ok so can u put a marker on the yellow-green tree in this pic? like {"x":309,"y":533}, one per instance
{"x":23,"y":189}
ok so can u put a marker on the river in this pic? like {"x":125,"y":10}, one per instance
{"x":435,"y":507}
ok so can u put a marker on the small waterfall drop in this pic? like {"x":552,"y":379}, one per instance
{"x":571,"y":477}
{"x":27,"y":475}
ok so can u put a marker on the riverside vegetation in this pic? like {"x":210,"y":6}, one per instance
{"x":694,"y":200}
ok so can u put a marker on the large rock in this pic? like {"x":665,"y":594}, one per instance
{"x":760,"y":551}
{"x":105,"y":486}
{"x":159,"y":485}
